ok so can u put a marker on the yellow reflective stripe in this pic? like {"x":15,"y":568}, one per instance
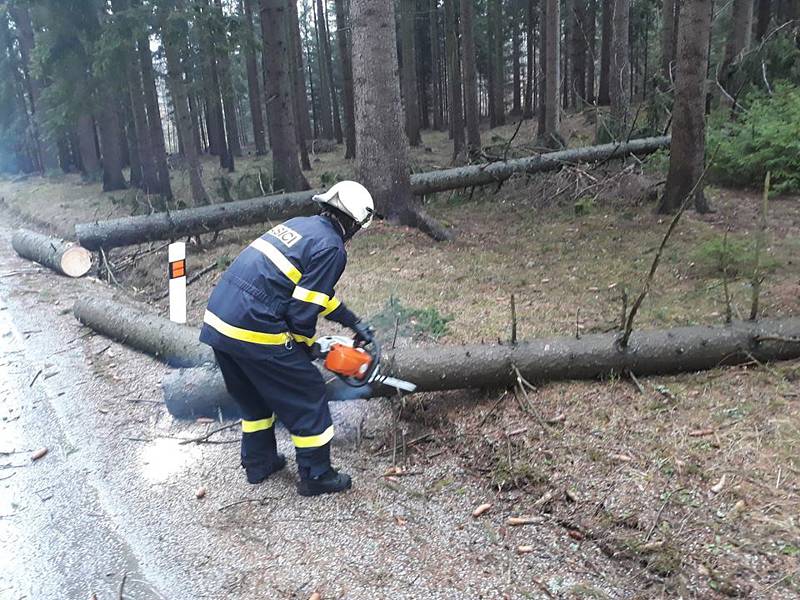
{"x":301,"y":293}
{"x":313,"y":441}
{"x":244,"y":335}
{"x":309,"y":341}
{"x":260,"y":425}
{"x":333,"y":304}
{"x":278,"y":259}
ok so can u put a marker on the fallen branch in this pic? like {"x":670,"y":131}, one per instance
{"x":202,"y":438}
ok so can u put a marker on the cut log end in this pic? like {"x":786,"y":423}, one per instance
{"x":76,"y":261}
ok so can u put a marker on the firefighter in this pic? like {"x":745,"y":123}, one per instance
{"x":260,"y":321}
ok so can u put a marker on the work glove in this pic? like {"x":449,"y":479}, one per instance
{"x":365,"y":334}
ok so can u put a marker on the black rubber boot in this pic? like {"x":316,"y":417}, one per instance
{"x":330,"y":482}
{"x":257,"y":474}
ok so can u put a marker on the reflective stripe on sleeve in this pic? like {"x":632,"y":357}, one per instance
{"x":244,"y":335}
{"x":277,"y":258}
{"x":313,"y":441}
{"x":260,"y":425}
{"x":332,"y":305}
{"x":318,"y":298}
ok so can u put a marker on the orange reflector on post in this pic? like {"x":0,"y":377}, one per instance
{"x":177,"y":282}
{"x":177,"y":269}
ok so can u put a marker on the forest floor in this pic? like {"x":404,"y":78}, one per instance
{"x":691,"y":484}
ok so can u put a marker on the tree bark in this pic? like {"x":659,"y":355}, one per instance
{"x":174,"y":39}
{"x":87,"y":145}
{"x":436,"y":77}
{"x":591,"y":41}
{"x":154,"y":118}
{"x":530,"y":50}
{"x":437,"y":368}
{"x":687,"y":150}
{"x":618,"y":78}
{"x":111,"y":144}
{"x":579,"y":47}
{"x":253,"y":83}
{"x":669,"y":22}
{"x":215,"y":119}
{"x":325,"y":108}
{"x":764,"y":8}
{"x":56,"y":254}
{"x":543,"y":62}
{"x":280,"y":111}
{"x":128,"y":231}
{"x":496,"y":64}
{"x":470,"y":78}
{"x":515,"y":21}
{"x":455,"y":102}
{"x":738,"y":38}
{"x":346,"y":59}
{"x":551,"y":100}
{"x":382,"y":160}
{"x":603,"y":97}
{"x":302,"y":125}
{"x":226,"y":87}
{"x":408,"y":75}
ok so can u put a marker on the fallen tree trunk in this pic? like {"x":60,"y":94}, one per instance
{"x":63,"y":257}
{"x":128,"y":231}
{"x":496,"y":172}
{"x":653,"y":352}
{"x":175,"y":344}
{"x":194,"y":221}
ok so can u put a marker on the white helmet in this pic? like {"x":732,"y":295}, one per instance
{"x":352,"y":198}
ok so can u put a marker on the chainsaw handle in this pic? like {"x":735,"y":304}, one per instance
{"x":374,"y":348}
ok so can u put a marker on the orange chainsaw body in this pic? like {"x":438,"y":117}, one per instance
{"x":347,"y":361}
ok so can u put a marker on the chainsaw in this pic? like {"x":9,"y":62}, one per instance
{"x":356,"y":365}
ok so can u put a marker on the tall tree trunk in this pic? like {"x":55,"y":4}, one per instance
{"x":530,"y":50}
{"x":133,"y":144}
{"x":579,"y":38}
{"x":568,"y":24}
{"x":46,"y":147}
{"x":325,"y":109}
{"x":764,"y":8}
{"x":543,"y":62}
{"x":111,"y":144}
{"x":253,"y":84}
{"x":382,"y":155}
{"x":436,"y":77}
{"x":619,"y":80}
{"x":591,"y":41}
{"x":498,"y":61}
{"x":302,"y":125}
{"x":337,"y":121}
{"x":603,"y":97}
{"x":516,"y":107}
{"x":491,"y":71}
{"x":669,"y":11}
{"x":346,"y":60}
{"x":455,"y":102}
{"x":687,"y":151}
{"x":738,"y":38}
{"x":174,"y":39}
{"x":154,"y":118}
{"x":280,"y":110}
{"x":228,"y":93}
{"x":552,"y":124}
{"x":87,"y":145}
{"x":215,"y":120}
{"x":470,"y":77}
{"x":408,"y":75}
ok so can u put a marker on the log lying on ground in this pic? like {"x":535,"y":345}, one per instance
{"x":496,"y":172}
{"x":655,"y":352}
{"x":194,"y":221}
{"x":175,"y":344}
{"x":128,"y":231}
{"x":63,"y":257}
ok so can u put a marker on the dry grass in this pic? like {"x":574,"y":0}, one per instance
{"x":638,"y":467}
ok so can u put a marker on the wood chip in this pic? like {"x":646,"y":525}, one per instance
{"x":315,"y":596}
{"x":620,"y":457}
{"x":544,"y":499}
{"x":517,"y":521}
{"x":576,"y":535}
{"x":701,"y":432}
{"x":200,"y":493}
{"x":204,"y":420}
{"x":717,"y":488}
{"x":481,"y":509}
{"x":571,"y":495}
{"x":524,"y":549}
{"x":38,"y":454}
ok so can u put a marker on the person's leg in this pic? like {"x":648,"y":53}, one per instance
{"x":289,"y":382}
{"x":259,"y":454}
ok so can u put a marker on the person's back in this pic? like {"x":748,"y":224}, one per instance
{"x":261,"y":321}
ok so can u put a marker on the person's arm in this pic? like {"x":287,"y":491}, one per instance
{"x":314,"y":296}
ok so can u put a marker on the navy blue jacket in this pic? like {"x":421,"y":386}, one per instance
{"x":277,"y":288}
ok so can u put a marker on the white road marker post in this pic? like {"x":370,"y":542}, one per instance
{"x":177,"y":282}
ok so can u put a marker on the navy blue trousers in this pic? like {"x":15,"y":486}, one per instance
{"x":282,"y":383}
